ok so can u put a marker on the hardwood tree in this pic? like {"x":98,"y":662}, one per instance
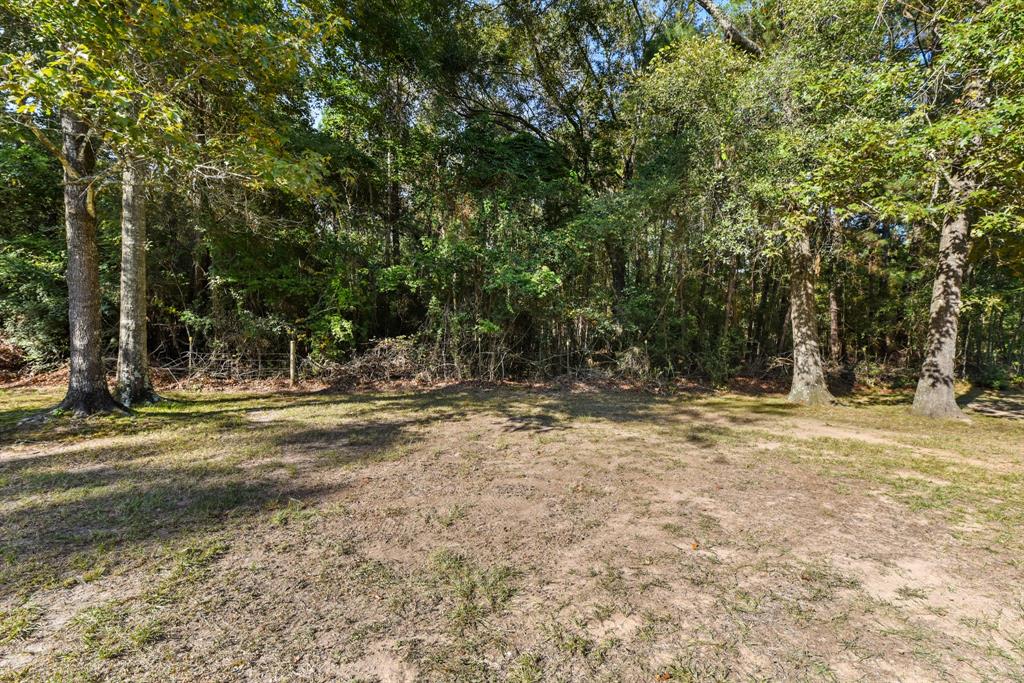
{"x":809,"y":385}
{"x":534,"y":188}
{"x":134,"y":385}
{"x":87,"y":391}
{"x":971,"y":139}
{"x":127,"y":76}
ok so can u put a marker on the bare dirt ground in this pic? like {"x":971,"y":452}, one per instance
{"x":498,"y":534}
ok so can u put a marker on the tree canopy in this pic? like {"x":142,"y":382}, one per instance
{"x":649,"y":189}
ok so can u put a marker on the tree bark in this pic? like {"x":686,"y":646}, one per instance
{"x":617,"y":262}
{"x":394,"y":211}
{"x":730,"y":295}
{"x":87,"y":383}
{"x":809,"y":387}
{"x":836,"y":340}
{"x":732,"y":34}
{"x":835,"y":346}
{"x":133,"y":382}
{"x":935,"y":396}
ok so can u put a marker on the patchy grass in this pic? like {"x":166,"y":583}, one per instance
{"x":501,"y":534}
{"x":17,"y":623}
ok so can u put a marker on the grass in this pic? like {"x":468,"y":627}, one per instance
{"x":17,"y":623}
{"x":475,"y":534}
{"x":469,"y":593}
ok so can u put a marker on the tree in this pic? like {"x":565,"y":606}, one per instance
{"x":972,"y":138}
{"x":809,"y":385}
{"x":134,"y":385}
{"x":129,"y":74}
{"x":61,"y":78}
{"x":87,"y":381}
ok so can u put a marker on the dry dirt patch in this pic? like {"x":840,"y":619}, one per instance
{"x":513,"y":535}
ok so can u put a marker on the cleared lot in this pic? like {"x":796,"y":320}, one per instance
{"x":474,"y":534}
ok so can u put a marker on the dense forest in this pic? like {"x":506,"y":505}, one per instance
{"x":518,"y":188}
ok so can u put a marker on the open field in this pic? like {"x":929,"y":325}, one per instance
{"x":479,"y":534}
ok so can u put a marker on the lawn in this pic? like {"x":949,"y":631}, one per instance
{"x":510,"y":534}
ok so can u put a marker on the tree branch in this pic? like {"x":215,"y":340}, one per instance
{"x":732,"y":34}
{"x":52,"y":149}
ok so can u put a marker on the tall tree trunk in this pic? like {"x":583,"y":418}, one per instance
{"x":762,"y":318}
{"x":730,"y":295}
{"x":87,"y":383}
{"x":133,"y":381}
{"x":394,"y":221}
{"x":835,"y":346}
{"x":935,"y":396}
{"x":809,"y":387}
{"x":617,"y":261}
{"x":394,"y":213}
{"x":836,"y":343}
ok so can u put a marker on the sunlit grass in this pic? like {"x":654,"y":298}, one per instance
{"x":163,"y":494}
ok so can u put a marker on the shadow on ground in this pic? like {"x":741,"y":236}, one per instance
{"x":72,"y":490}
{"x":82,"y":493}
{"x":71,"y":508}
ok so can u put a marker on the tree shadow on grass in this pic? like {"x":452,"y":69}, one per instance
{"x":359,"y":442}
{"x":529,"y":410}
{"x":101,"y":501}
{"x":173,"y":411}
{"x":881,"y":398}
{"x":1004,"y":404}
{"x":526,"y":409}
{"x":99,"y":525}
{"x":978,"y":400}
{"x":707,"y":435}
{"x":11,"y":418}
{"x":767,"y":407}
{"x":98,"y":505}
